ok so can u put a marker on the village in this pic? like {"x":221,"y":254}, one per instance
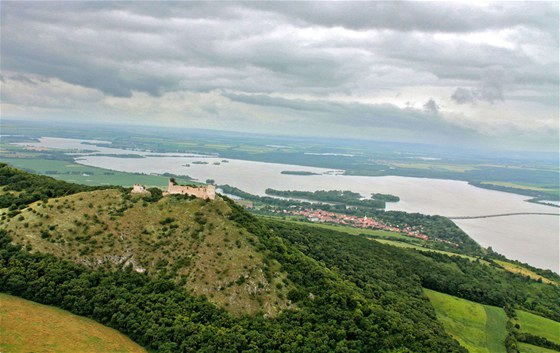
{"x":352,"y":221}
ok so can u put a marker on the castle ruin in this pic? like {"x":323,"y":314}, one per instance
{"x":202,"y":192}
{"x":139,"y":189}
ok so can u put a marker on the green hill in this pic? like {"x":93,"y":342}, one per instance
{"x":30,"y":327}
{"x":184,"y":239}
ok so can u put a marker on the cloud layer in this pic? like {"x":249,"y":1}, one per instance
{"x":392,"y":70}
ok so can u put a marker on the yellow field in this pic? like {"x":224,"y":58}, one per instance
{"x":523,"y":271}
{"x":435,"y":166}
{"x":26,"y":326}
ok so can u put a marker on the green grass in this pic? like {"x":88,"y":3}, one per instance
{"x":529,"y":348}
{"x":479,"y":328}
{"x":81,"y":174}
{"x":26,"y":326}
{"x":539,"y":326}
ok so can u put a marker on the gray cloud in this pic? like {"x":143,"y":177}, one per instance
{"x":491,"y":89}
{"x":431,"y":106}
{"x":365,"y":115}
{"x":313,"y":51}
{"x":463,"y":95}
{"x":121,"y":47}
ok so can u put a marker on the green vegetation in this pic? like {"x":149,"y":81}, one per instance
{"x":539,"y":326}
{"x":30,"y":327}
{"x":479,"y":328}
{"x":337,"y":316}
{"x":346,"y":197}
{"x":297,"y":172}
{"x":19,"y":189}
{"x":77,"y":173}
{"x":365,"y":261}
{"x":177,"y":237}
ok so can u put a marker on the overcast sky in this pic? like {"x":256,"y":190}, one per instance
{"x":435,"y":72}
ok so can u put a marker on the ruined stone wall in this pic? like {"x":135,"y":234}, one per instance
{"x":139,"y":189}
{"x":203,"y":192}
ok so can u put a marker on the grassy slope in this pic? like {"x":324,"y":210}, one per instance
{"x":477,"y":327}
{"x":96,"y":176}
{"x":30,"y":327}
{"x":198,"y":246}
{"x":529,"y":348}
{"x":539,"y":326}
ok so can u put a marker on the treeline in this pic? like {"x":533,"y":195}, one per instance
{"x":371,"y":265}
{"x":21,"y":188}
{"x":345,"y":197}
{"x":438,"y":227}
{"x":537,"y":194}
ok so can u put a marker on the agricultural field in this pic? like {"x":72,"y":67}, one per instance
{"x":539,"y":326}
{"x":435,"y":166}
{"x":479,"y":328}
{"x":81,"y":174}
{"x":30,"y":327}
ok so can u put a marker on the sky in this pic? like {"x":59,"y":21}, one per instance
{"x":481,"y":74}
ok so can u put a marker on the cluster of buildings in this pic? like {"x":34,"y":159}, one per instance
{"x":353,"y":221}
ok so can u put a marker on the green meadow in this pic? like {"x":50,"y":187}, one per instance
{"x":479,"y":328}
{"x":539,"y":326}
{"x":529,"y":348}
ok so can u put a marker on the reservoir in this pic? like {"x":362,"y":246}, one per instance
{"x":528,"y":238}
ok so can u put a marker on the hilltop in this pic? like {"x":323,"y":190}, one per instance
{"x":186,"y":239}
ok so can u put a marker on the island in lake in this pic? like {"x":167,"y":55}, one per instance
{"x":297,"y":172}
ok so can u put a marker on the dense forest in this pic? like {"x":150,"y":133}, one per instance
{"x":21,"y":188}
{"x":368,"y":263}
